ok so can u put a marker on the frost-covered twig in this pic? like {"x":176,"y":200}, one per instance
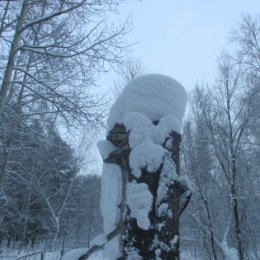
{"x":109,"y":237}
{"x":230,"y":253}
{"x":24,"y":256}
{"x":77,"y":253}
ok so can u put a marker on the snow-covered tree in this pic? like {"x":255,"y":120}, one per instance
{"x":141,"y":183}
{"x":49,"y":66}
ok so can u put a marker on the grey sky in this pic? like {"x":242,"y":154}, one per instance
{"x":183,"y":38}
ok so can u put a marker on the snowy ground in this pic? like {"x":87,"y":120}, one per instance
{"x":15,"y":255}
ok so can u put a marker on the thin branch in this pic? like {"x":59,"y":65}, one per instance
{"x":48,"y":17}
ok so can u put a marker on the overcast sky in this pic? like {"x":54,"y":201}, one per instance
{"x":183,"y":38}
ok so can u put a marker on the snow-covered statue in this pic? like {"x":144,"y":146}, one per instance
{"x":143,"y":193}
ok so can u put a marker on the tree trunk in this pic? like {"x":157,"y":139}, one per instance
{"x":168,"y":234}
{"x":161,"y":240}
{"x":4,"y":18}
{"x":210,"y":230}
{"x":12,"y":54}
{"x":6,"y":157}
{"x":234,"y":205}
{"x":18,"y":111}
{"x":25,"y":238}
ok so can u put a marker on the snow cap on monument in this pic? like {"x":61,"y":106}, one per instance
{"x":153,"y":95}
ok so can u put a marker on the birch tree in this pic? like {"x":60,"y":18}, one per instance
{"x":219,"y":147}
{"x":53,"y":58}
{"x":227,"y":111}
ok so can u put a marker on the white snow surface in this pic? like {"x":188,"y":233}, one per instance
{"x":186,"y":182}
{"x":139,"y":200}
{"x":132,"y":254}
{"x":167,"y":175}
{"x":174,"y":241}
{"x":145,"y":140}
{"x":157,"y":243}
{"x":105,"y":148}
{"x":111,"y":194}
{"x":98,"y":240}
{"x":74,"y":254}
{"x":157,"y":254}
{"x":230,"y":253}
{"x":162,"y":210}
{"x":146,"y":155}
{"x":153,"y":95}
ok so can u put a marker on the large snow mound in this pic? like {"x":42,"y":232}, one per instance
{"x":153,"y":95}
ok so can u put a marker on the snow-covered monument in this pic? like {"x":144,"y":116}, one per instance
{"x":143,"y":193}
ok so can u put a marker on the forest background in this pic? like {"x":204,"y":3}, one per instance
{"x":51,"y":107}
